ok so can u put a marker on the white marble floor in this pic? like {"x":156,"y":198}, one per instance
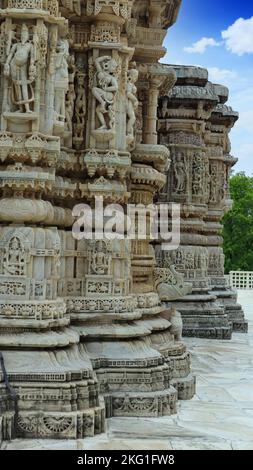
{"x":219,"y":417}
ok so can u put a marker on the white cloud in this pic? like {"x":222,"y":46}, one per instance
{"x":239,"y":36}
{"x":200,"y":46}
{"x":217,"y":75}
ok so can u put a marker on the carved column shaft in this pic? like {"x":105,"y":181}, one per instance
{"x":217,"y":139}
{"x":182,"y":126}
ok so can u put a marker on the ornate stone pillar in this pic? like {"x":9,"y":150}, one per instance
{"x":150,"y":131}
{"x":219,"y":125}
{"x":182,"y":118}
{"x":68,"y":118}
{"x":57,"y":392}
{"x":100,"y":289}
{"x":150,"y":162}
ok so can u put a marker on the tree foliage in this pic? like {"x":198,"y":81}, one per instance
{"x":238,"y":225}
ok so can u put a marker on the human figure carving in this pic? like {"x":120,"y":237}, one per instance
{"x":164,"y":108}
{"x":100,"y":261}
{"x":176,"y":328}
{"x":180,"y":174}
{"x":61,"y":78}
{"x":70,"y":104}
{"x":80,"y":107}
{"x":132,"y":101}
{"x":213,"y":186}
{"x":14,"y":258}
{"x":20,"y":68}
{"x":105,"y":89}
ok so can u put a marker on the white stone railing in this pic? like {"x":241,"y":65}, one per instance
{"x":51,"y":5}
{"x":241,"y":279}
{"x":29,"y":4}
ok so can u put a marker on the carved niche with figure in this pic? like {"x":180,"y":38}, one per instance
{"x":20,"y":69}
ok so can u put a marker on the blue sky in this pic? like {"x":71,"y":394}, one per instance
{"x":218,"y":35}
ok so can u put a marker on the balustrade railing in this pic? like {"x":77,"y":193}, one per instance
{"x":242,"y":280}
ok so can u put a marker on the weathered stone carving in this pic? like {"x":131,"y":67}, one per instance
{"x":80,"y":109}
{"x":197,"y":175}
{"x":180,"y":171}
{"x":104,"y":90}
{"x":176,"y":324}
{"x":192,"y":124}
{"x":20,"y":68}
{"x":61,"y":80}
{"x":14,"y":258}
{"x":72,"y":5}
{"x":84,"y":333}
{"x":132,"y":102}
{"x":219,"y":125}
{"x":170,"y":284}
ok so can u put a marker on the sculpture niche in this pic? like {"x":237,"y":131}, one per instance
{"x":131,"y":104}
{"x":104,"y":91}
{"x":61,"y":85}
{"x":180,"y":174}
{"x":80,"y":110}
{"x":20,"y":68}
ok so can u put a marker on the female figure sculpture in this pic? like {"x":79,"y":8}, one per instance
{"x":132,"y":101}
{"x":105,"y":89}
{"x":180,"y":174}
{"x":61,"y":78}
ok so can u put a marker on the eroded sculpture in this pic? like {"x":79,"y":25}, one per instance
{"x":194,"y":123}
{"x":91,"y":329}
{"x":83,"y":331}
{"x":104,"y":90}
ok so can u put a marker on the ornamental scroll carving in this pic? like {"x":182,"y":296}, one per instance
{"x":74,"y":6}
{"x":170,"y":284}
{"x":80,"y":108}
{"x":198,"y":174}
{"x":119,"y":7}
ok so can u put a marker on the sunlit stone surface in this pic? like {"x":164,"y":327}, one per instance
{"x":219,"y":417}
{"x":87,"y":328}
{"x":83,"y":332}
{"x":194,"y":123}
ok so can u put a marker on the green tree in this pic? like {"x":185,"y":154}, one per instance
{"x":238,"y":225}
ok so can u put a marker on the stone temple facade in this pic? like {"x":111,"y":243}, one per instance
{"x":194,"y":123}
{"x":83,"y":332}
{"x":88,"y":328}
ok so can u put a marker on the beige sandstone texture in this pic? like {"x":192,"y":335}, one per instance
{"x":194,"y":123}
{"x":82,"y":328}
{"x":91,"y":329}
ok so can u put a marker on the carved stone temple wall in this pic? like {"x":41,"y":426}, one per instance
{"x":218,"y":127}
{"x":83,"y":332}
{"x":194,"y":124}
